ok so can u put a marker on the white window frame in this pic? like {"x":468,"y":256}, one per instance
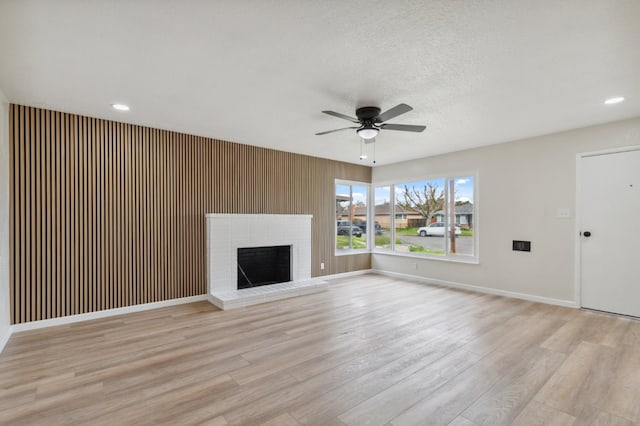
{"x":351,"y":251}
{"x":448,"y":177}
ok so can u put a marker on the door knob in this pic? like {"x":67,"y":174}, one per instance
{"x":586,"y":234}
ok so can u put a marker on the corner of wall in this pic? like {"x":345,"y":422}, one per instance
{"x":5,"y":320}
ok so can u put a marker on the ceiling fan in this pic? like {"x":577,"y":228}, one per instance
{"x":370,"y":121}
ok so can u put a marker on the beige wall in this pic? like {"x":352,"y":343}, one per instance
{"x":4,"y":220}
{"x":521,"y":186}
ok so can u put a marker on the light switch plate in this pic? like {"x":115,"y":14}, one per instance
{"x":564,"y":213}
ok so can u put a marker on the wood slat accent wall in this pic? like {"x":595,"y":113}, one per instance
{"x":107,"y":215}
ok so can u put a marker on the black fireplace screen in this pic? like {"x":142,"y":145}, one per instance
{"x":263,"y":265}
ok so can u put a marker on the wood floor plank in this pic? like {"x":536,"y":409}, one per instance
{"x":590,"y":327}
{"x":536,"y":414}
{"x":282,"y":420}
{"x":623,"y":398}
{"x":370,"y":350}
{"x":228,"y":400}
{"x":148,"y":407}
{"x":461,"y":421}
{"x":595,"y":417}
{"x":217,"y":421}
{"x":423,"y":370}
{"x":632,"y":336}
{"x":583,"y":380}
{"x":446,"y":403}
{"x":385,"y":405}
{"x":501,"y":404}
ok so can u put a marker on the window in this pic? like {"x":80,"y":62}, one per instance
{"x":430,"y":217}
{"x":417,"y":202}
{"x":352,"y":225}
{"x":382,"y":217}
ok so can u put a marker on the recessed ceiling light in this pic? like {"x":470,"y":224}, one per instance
{"x":120,"y":107}
{"x":615,"y":100}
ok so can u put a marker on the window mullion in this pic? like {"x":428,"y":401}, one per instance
{"x":445,"y":207}
{"x":392,"y":217}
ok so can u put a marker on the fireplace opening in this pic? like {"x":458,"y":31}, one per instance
{"x":263,"y":266}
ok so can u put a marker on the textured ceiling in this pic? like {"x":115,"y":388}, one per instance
{"x":259,"y":72}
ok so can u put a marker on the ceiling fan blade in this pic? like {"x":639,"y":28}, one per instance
{"x":403,"y":127}
{"x":336,"y":130}
{"x":344,"y":117}
{"x":393,"y":112}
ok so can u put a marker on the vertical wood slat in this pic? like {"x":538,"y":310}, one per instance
{"x":129,"y":215}
{"x":106,"y":215}
{"x":66,"y":208}
{"x":13,"y":173}
{"x":36,"y":241}
{"x":56,"y":215}
{"x":47,"y":207}
{"x":19,"y":313}
{"x":30,"y":220}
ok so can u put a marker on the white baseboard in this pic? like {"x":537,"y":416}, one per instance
{"x":34,"y":325}
{"x":488,"y":290}
{"x":346,"y":274}
{"x":4,"y":339}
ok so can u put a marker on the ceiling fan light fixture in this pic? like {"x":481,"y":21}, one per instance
{"x":368,"y":132}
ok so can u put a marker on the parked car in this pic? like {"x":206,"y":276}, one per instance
{"x":435,"y":228}
{"x":346,"y":229}
{"x":362,"y":224}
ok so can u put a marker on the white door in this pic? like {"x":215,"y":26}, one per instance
{"x":610,"y":232}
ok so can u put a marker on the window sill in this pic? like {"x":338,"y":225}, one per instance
{"x":467,"y":259}
{"x":351,"y":252}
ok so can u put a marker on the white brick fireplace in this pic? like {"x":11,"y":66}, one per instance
{"x":226,"y":233}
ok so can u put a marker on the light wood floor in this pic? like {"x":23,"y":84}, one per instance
{"x":371,"y":350}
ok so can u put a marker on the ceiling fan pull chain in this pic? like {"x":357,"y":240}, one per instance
{"x":374,"y":153}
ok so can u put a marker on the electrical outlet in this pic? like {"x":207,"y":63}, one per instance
{"x":322,"y":266}
{"x":416,"y":265}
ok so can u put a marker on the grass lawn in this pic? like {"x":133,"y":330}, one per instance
{"x":418,"y":249}
{"x":385,"y":240}
{"x":407,"y":231}
{"x":360,"y":243}
{"x":342,"y":242}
